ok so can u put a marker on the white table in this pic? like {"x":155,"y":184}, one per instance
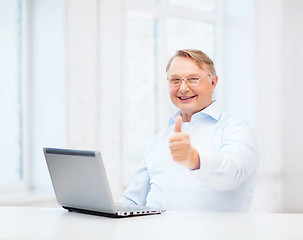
{"x":57,"y":223}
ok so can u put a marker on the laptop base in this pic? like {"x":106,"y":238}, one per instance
{"x":103,"y":214}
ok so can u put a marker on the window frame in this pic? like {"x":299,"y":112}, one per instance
{"x":26,"y":92}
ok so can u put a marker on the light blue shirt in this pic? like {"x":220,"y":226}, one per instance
{"x":228,"y":163}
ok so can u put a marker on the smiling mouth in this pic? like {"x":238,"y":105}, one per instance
{"x":186,"y":98}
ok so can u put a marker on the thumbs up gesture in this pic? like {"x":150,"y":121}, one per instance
{"x":181,"y":149}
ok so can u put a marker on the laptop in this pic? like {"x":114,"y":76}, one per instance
{"x":81,"y":185}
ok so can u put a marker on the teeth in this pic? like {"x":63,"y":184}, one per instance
{"x":184,"y":98}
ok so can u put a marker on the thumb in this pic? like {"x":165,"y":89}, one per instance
{"x":178,"y":124}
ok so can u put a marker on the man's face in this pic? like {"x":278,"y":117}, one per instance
{"x":190,"y":99}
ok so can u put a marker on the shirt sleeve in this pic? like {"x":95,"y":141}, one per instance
{"x":139,"y":187}
{"x":234,"y":162}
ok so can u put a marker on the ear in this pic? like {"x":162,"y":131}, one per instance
{"x":214,"y":82}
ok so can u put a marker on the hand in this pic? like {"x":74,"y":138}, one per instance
{"x":181,"y":149}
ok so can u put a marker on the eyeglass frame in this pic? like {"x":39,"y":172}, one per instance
{"x":187,"y":80}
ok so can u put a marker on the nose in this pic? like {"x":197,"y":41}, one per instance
{"x":183,"y":87}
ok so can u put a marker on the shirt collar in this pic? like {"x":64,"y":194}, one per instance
{"x":213,"y":110}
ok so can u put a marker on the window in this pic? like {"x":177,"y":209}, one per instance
{"x":140,"y":88}
{"x":11,"y":171}
{"x":32,"y":91}
{"x":154,"y":30}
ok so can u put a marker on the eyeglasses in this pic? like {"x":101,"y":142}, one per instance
{"x":192,"y":81}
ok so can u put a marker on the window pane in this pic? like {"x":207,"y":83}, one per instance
{"x":139,"y":87}
{"x":184,"y":34}
{"x":204,"y":5}
{"x":10,"y":147}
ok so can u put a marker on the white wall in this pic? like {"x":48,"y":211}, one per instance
{"x":278,"y":62}
{"x":268,"y":42}
{"x":82,"y":74}
{"x":292,"y":84}
{"x":94,"y":103}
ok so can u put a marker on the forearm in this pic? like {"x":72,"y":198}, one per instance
{"x":225,"y":171}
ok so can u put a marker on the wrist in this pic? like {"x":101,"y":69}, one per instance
{"x":194,"y":159}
